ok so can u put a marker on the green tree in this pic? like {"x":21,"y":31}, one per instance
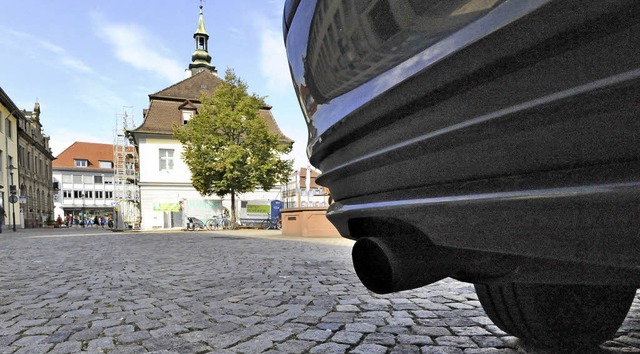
{"x":228,"y":147}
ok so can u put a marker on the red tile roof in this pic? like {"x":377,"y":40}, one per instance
{"x":92,"y":152}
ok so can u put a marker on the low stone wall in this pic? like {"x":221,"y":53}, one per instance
{"x":307,"y":222}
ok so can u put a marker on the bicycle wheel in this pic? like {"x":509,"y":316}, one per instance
{"x":228,"y":225}
{"x":210,"y":224}
{"x":265,"y":224}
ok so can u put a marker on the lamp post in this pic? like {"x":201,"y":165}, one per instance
{"x":12,"y":198}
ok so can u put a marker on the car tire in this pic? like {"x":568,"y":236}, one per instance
{"x":556,"y":316}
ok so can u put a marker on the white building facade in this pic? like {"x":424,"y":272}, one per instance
{"x":167,"y":196}
{"x":83,"y":174}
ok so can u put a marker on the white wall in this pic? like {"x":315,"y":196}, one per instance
{"x":149,"y":149}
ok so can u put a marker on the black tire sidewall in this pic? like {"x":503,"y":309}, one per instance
{"x":549,"y":315}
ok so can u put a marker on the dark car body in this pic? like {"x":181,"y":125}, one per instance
{"x":491,"y":141}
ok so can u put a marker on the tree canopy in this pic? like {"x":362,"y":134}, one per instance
{"x":227,"y":145}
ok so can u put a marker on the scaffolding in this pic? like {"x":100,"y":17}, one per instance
{"x":126,"y":192}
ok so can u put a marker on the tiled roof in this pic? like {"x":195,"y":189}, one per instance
{"x":92,"y":152}
{"x":191,"y":87}
{"x":164,"y":107}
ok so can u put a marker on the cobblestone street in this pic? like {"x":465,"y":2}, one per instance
{"x":71,"y":291}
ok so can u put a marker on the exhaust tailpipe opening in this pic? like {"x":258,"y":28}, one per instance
{"x":385,"y":267}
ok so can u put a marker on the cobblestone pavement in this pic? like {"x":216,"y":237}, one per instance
{"x":93,"y":291}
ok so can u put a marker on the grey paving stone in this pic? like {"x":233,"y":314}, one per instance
{"x":315,"y":335}
{"x":469,"y":331}
{"x":99,"y":344}
{"x":405,"y":349}
{"x":294,"y":346}
{"x":329,"y":348}
{"x":31,"y":323}
{"x":133,"y":337}
{"x":25,"y":341}
{"x":256,"y":345}
{"x":457,"y":341}
{"x":369,"y":349}
{"x":488,"y":341}
{"x":40,"y":348}
{"x":432,"y":331}
{"x":414,"y":339}
{"x":118,"y":330}
{"x":346,"y":337}
{"x":360,"y":327}
{"x":400,"y":321}
{"x":87,"y":334}
{"x":380,"y":338}
{"x":330,"y":326}
{"x":106,"y":323}
{"x":67,"y":348}
{"x":78,"y":313}
{"x":441,"y":350}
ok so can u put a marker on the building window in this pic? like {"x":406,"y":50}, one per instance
{"x":98,"y":194}
{"x":77,"y":179}
{"x":66,"y":194}
{"x":186,"y":116}
{"x":8,"y":129}
{"x":108,"y":180}
{"x":166,"y":159}
{"x":97,"y":179}
{"x":66,"y":179}
{"x":81,"y":163}
{"x":78,"y":194}
{"x":108,"y":195}
{"x":106,"y":164}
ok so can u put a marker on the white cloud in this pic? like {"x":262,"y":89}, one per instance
{"x":59,"y":54}
{"x":273,"y":59}
{"x":135,"y":45}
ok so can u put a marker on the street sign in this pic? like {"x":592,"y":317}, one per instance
{"x":13,"y":199}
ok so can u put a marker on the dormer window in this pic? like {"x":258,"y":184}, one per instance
{"x":188,"y":110}
{"x":106,"y":164}
{"x":81,"y":163}
{"x":186,"y":116}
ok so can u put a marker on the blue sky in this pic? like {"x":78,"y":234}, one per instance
{"x":86,"y":62}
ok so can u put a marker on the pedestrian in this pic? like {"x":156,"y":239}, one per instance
{"x":96,"y":221}
{"x":59,"y":220}
{"x":102,"y":221}
{"x":68,"y":222}
{"x":2,"y":216}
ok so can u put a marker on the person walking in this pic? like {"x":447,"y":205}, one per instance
{"x":2,"y":216}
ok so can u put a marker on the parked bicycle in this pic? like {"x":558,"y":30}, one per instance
{"x":220,"y":222}
{"x":271,"y":223}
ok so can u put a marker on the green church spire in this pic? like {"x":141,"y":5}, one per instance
{"x":200,"y":59}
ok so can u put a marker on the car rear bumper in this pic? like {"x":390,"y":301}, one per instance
{"x":520,"y":139}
